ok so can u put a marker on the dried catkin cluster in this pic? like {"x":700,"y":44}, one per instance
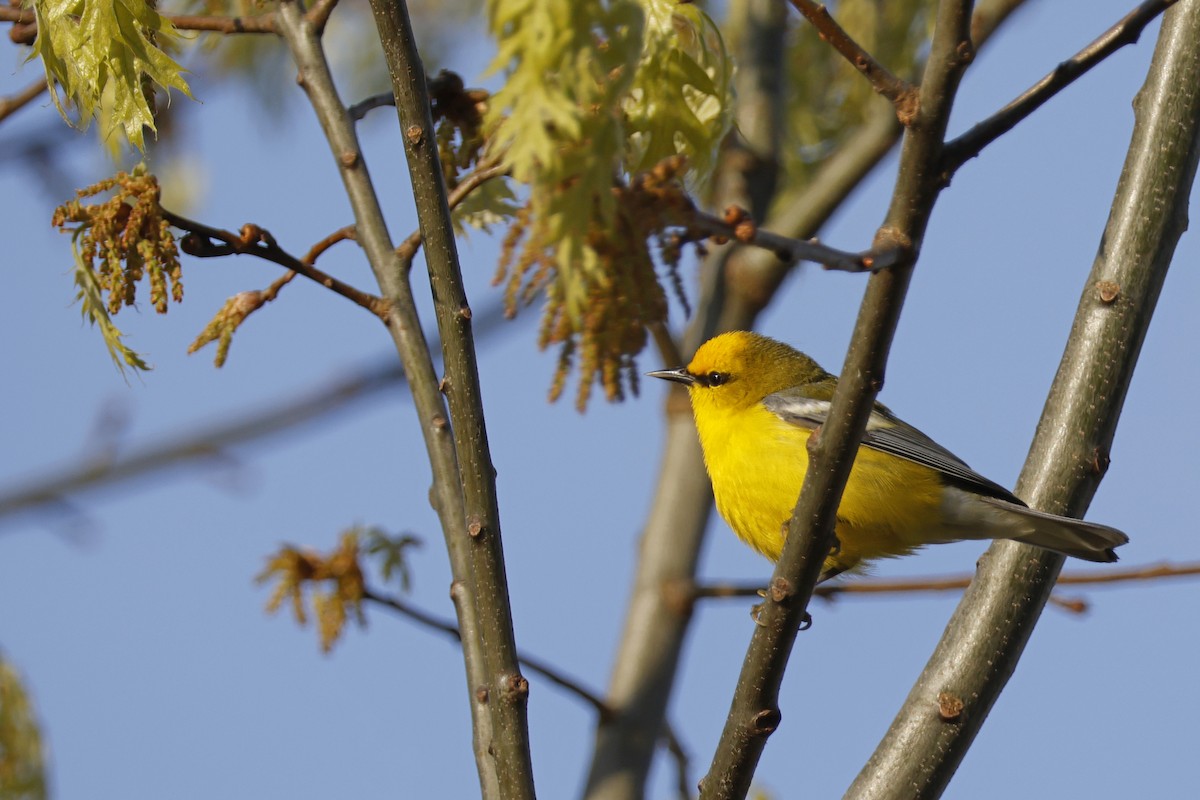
{"x":124,"y":239}
{"x":597,"y":312}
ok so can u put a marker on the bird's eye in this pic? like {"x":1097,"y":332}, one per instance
{"x":716,"y":378}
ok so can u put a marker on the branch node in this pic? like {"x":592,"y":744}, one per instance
{"x":891,"y":237}
{"x":349,"y":159}
{"x":908,"y":106}
{"x":781,"y":589}
{"x":950,"y":707}
{"x":1109,"y":291}
{"x":516,"y":688}
{"x":745,"y":230}
{"x":415,"y":135}
{"x":765,"y":722}
{"x":679,"y":596}
{"x":965,"y":52}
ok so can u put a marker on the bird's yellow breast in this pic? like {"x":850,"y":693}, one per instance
{"x":757,"y":463}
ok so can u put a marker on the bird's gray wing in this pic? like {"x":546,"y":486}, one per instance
{"x":888,"y":434}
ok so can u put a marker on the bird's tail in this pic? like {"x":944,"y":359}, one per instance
{"x":1071,"y":537}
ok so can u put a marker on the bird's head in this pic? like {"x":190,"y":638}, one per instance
{"x":738,"y":369}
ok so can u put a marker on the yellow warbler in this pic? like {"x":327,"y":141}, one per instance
{"x":756,"y":401}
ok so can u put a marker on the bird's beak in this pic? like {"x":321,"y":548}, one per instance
{"x":680,"y":375}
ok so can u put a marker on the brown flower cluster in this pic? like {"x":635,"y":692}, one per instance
{"x":124,"y":239}
{"x":622,"y":296}
{"x":295,"y":569}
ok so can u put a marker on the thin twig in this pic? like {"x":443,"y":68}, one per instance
{"x":482,"y":174}
{"x":202,"y":239}
{"x":340,"y":235}
{"x":1125,"y":32}
{"x":551,"y":673}
{"x":259,"y":23}
{"x":667,"y":349}
{"x":16,"y":102}
{"x":683,"y":783}
{"x":950,"y":583}
{"x":788,"y":250}
{"x":902,"y":94}
{"x":360,"y":109}
{"x":534,"y":664}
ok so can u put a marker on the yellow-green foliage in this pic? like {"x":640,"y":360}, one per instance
{"x":22,"y":757}
{"x":104,"y":54}
{"x":680,"y":102}
{"x":597,"y":91}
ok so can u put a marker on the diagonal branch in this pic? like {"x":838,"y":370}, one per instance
{"x":1126,"y":31}
{"x":505,"y":690}
{"x":208,"y":442}
{"x":403,"y":323}
{"x":735,"y":287}
{"x":204,"y":241}
{"x":9,"y":105}
{"x":755,"y":275}
{"x":984,"y":639}
{"x":902,"y":94}
{"x":737,"y":225}
{"x":541,"y":667}
{"x":407,"y":250}
{"x":754,"y":712}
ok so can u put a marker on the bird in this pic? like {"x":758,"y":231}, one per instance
{"x":756,"y":401}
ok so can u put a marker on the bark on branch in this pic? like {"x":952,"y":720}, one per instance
{"x":754,"y":713}
{"x":980,"y":647}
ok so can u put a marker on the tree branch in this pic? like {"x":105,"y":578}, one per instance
{"x":985,"y":637}
{"x":950,"y":583}
{"x":505,"y":689}
{"x":259,"y":23}
{"x":1125,"y":32}
{"x":737,"y":225}
{"x":202,"y":442}
{"x":541,"y":667}
{"x":754,"y":713}
{"x":482,"y":174}
{"x":10,"y":105}
{"x":755,"y":275}
{"x":362,"y":107}
{"x":902,"y":94}
{"x":736,"y":284}
{"x":256,"y":241}
{"x":405,"y":328}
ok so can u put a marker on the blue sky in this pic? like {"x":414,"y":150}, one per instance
{"x":136,"y":622}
